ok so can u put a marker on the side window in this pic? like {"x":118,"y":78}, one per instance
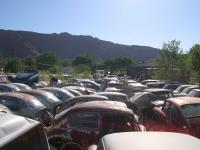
{"x":166,"y":107}
{"x":173,"y":113}
{"x":84,"y":120}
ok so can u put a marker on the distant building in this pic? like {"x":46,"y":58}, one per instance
{"x":142,"y":70}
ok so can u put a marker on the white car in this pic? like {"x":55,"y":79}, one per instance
{"x":147,"y":141}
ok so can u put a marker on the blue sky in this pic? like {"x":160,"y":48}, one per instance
{"x":132,"y":22}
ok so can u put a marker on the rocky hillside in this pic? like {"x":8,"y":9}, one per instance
{"x":65,"y":45}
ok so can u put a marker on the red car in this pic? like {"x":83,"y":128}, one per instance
{"x":84,"y":124}
{"x":180,"y":114}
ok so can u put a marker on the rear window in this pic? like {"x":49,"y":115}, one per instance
{"x":163,"y":95}
{"x":35,"y":104}
{"x":191,"y":110}
{"x":84,"y":120}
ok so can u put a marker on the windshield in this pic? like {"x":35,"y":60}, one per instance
{"x":187,"y":90}
{"x":180,"y":88}
{"x":163,"y":95}
{"x":191,"y":110}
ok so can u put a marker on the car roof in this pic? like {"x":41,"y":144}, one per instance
{"x":111,"y":93}
{"x":105,"y":105}
{"x":56,"y":89}
{"x":89,"y":97}
{"x":18,"y":95}
{"x":150,"y":141}
{"x":36,"y":91}
{"x":184,"y":100}
{"x":20,"y":84}
{"x":8,"y":85}
{"x":156,"y":90}
{"x":96,"y":105}
{"x":12,"y":126}
{"x":196,"y":90}
{"x":53,"y":88}
{"x":159,"y":82}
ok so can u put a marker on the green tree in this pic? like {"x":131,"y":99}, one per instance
{"x":64,"y":62}
{"x":169,"y":60}
{"x":30,"y":62}
{"x":83,"y":59}
{"x":123,"y":63}
{"x":13,"y":65}
{"x":194,"y":57}
{"x":118,"y":64}
{"x":46,"y":61}
{"x":109,"y":65}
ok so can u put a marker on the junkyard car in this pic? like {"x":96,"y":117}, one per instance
{"x":60,"y":93}
{"x":180,"y":88}
{"x":142,"y":103}
{"x":21,"y":86}
{"x":46,"y":98}
{"x":116,"y":96}
{"x":181,"y":114}
{"x":155,"y":84}
{"x":21,"y":133}
{"x":28,"y":78}
{"x":144,"y":140}
{"x":81,"y":99}
{"x":160,"y":93}
{"x":27,"y":106}
{"x":81,"y":89}
{"x":194,"y":93}
{"x":8,"y":88}
{"x":171,"y":86}
{"x":186,"y":91}
{"x":89,"y":84}
{"x":84,"y":124}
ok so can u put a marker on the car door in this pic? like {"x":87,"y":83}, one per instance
{"x":173,"y":121}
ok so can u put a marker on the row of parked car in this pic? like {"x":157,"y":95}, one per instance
{"x":77,"y":115}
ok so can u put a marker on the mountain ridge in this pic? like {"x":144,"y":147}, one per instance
{"x":65,"y":45}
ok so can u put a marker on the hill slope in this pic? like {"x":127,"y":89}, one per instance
{"x":65,"y":45}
